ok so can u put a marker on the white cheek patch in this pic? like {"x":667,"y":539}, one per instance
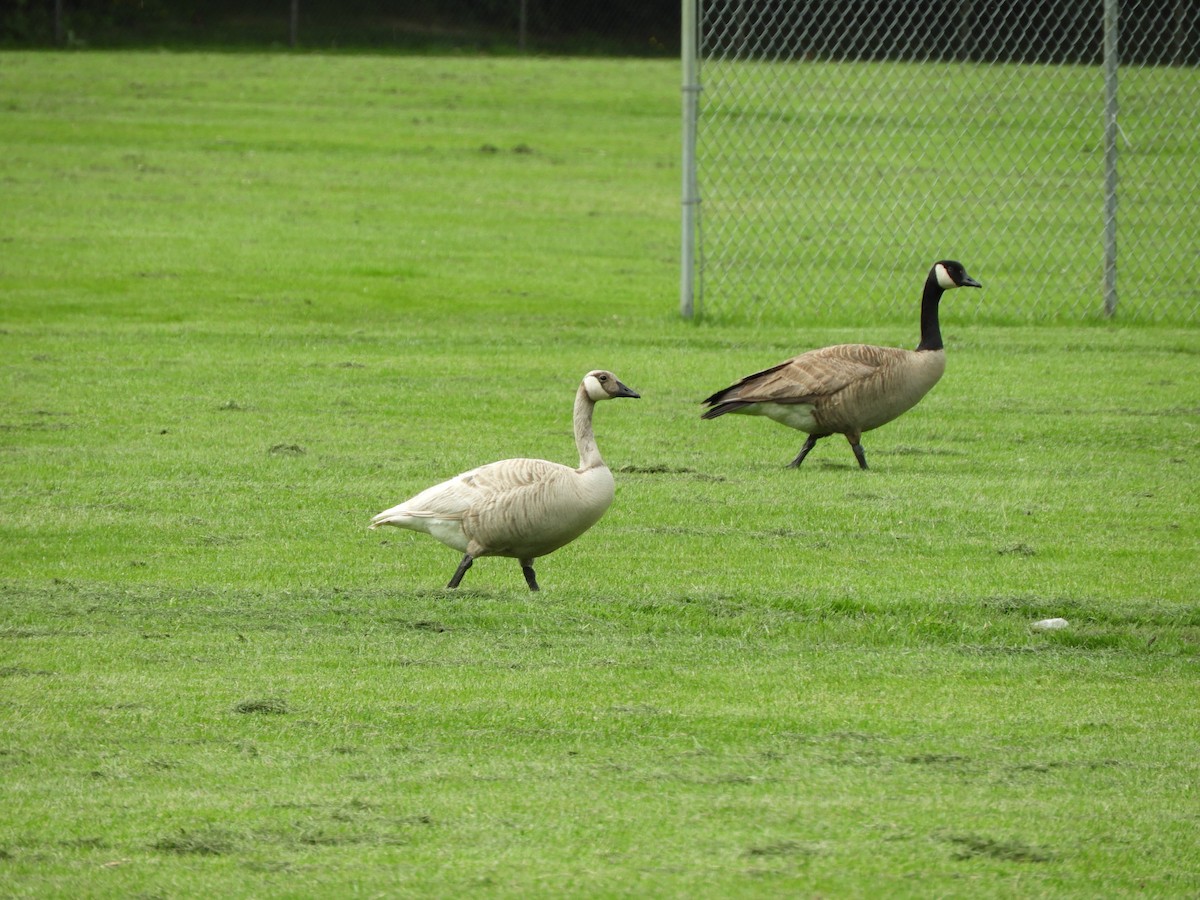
{"x":594,"y":388}
{"x":943,"y":277}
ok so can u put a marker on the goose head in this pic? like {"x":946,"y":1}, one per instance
{"x":602,"y":385}
{"x":950,"y":274}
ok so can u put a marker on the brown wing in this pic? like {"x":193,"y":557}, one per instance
{"x":805,"y":378}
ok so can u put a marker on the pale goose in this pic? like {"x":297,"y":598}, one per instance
{"x":849,"y":388}
{"x":521,"y":508}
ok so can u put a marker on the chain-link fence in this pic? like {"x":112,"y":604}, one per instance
{"x":841,"y":148}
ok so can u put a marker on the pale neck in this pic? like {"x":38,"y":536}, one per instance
{"x":585,"y":438}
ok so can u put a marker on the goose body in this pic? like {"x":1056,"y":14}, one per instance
{"x":520,"y":508}
{"x":848,"y":388}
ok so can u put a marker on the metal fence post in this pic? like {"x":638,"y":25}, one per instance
{"x":1110,"y":156}
{"x":691,"y":91}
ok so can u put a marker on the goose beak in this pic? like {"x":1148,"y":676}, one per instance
{"x":968,"y":281}
{"x":625,"y":391}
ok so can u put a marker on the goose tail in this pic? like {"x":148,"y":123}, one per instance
{"x":720,"y":407}
{"x":394,"y":516}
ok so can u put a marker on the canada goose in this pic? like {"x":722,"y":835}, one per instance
{"x":848,"y":388}
{"x":521,"y":508}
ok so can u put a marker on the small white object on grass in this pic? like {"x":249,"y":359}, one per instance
{"x":1050,"y":625}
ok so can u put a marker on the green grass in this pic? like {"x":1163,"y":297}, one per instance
{"x":248,"y":301}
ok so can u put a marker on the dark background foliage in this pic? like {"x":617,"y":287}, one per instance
{"x":1157,"y":32}
{"x":642,"y":27}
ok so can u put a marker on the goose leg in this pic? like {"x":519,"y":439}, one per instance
{"x":527,"y":571}
{"x":808,"y":445}
{"x":858,"y":453}
{"x":854,"y":438}
{"x":461,"y":570}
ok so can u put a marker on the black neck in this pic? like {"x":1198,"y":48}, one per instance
{"x":931,"y":331}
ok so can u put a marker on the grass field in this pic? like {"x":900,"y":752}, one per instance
{"x":250,"y":300}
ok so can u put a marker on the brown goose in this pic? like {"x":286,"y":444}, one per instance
{"x":521,"y":508}
{"x":848,"y":388}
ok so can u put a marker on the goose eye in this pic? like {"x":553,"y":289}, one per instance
{"x":602,"y":378}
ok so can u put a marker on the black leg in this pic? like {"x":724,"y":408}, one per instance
{"x":808,"y":445}
{"x":527,"y":571}
{"x":858,"y":453}
{"x":461,"y":570}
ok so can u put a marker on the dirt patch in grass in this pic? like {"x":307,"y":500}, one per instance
{"x":668,"y":470}
{"x":783,"y":848}
{"x":426,"y":625}
{"x":21,"y":671}
{"x":265,"y":706}
{"x":968,"y":846}
{"x":208,"y":842}
{"x":938,"y":759}
{"x":1018,"y":549}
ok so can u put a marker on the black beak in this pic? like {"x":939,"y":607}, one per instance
{"x":968,"y":281}
{"x":624,"y":391}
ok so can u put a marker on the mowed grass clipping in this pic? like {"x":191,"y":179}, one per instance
{"x":250,"y":300}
